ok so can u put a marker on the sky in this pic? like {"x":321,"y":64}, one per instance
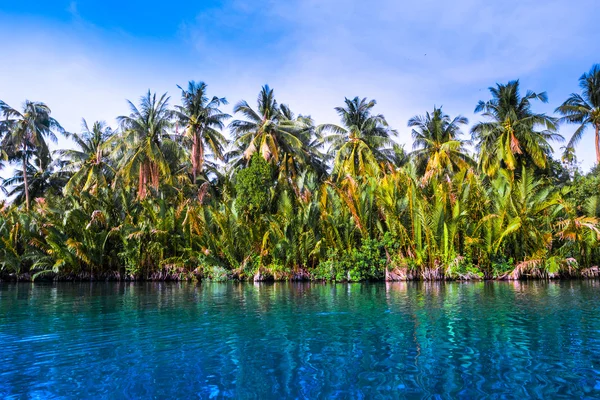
{"x":84,"y":58}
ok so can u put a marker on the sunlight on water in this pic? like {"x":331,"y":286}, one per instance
{"x":299,"y":340}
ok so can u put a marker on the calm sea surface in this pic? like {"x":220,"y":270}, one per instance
{"x":287,"y":340}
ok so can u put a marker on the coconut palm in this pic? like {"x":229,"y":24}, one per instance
{"x":398,"y":156}
{"x":584,"y":109}
{"x":362,"y":141}
{"x":203,"y":121}
{"x":89,"y":164}
{"x":262,"y":130}
{"x":309,"y":155}
{"x":25,"y":134}
{"x":146,"y":141}
{"x":424,"y":215}
{"x":514,"y":134}
{"x":40,"y":179}
{"x":437,"y":146}
{"x":274,"y":132}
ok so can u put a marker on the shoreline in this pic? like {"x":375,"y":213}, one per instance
{"x":302,"y":276}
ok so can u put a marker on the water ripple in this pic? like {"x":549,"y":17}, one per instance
{"x":394,"y":340}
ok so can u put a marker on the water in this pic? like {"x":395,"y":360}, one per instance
{"x":400,"y":340}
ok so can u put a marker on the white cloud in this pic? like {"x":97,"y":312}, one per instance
{"x":408,"y":56}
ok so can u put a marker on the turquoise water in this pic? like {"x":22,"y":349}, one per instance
{"x":282,"y":340}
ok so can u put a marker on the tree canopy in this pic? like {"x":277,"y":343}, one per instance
{"x":176,"y":193}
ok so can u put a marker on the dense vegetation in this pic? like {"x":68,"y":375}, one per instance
{"x":168,"y":196}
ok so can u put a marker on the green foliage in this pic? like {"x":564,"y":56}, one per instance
{"x":364,"y":263}
{"x":584,"y":109}
{"x":514,"y":136}
{"x":585,"y":188}
{"x":162,"y":199}
{"x":253,"y":187}
{"x":502,"y":266}
{"x":216,"y":274}
{"x":462,"y":268}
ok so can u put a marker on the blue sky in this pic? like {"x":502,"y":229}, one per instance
{"x":84,"y":58}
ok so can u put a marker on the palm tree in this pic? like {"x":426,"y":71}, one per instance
{"x":436,"y":144}
{"x":40,"y":179}
{"x":514,"y":134}
{"x":25,"y":134}
{"x":584,"y":108}
{"x":398,"y":156}
{"x":89,"y":163}
{"x":202,"y":120}
{"x":530,"y":201}
{"x":360,"y":143}
{"x":309,"y":155}
{"x":262,"y":130}
{"x":145,"y":140}
{"x":273,"y":131}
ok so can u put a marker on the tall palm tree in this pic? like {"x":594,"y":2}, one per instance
{"x":202,"y":120}
{"x":40,"y":178}
{"x":514,"y":134}
{"x":437,"y":146}
{"x":89,"y":164}
{"x":584,"y":108}
{"x":25,"y":134}
{"x":309,"y":155}
{"x":360,"y":144}
{"x":146,"y":140}
{"x":274,"y":132}
{"x":262,"y":130}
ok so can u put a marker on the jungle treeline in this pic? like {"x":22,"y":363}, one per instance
{"x":189,"y":192}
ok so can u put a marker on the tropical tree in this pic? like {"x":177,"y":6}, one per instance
{"x":145,"y":141}
{"x":398,"y":156}
{"x":262,"y":130}
{"x":25,"y":136}
{"x":15,"y":227}
{"x":309,"y":156}
{"x":41,"y":178}
{"x":437,"y":146}
{"x":203,"y":122}
{"x":580,"y":234}
{"x":280,"y":211}
{"x":253,"y":187}
{"x":527,"y":230}
{"x":89,"y":163}
{"x":514,"y":134}
{"x":584,"y":109}
{"x":362,"y":141}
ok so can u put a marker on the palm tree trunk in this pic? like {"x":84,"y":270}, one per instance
{"x":25,"y":181}
{"x":154,"y":175}
{"x":598,"y":144}
{"x":142,"y":181}
{"x":200,"y":156}
{"x":197,"y":155}
{"x":194,"y":157}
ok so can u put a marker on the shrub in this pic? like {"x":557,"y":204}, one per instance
{"x":253,"y":186}
{"x":365,"y":263}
